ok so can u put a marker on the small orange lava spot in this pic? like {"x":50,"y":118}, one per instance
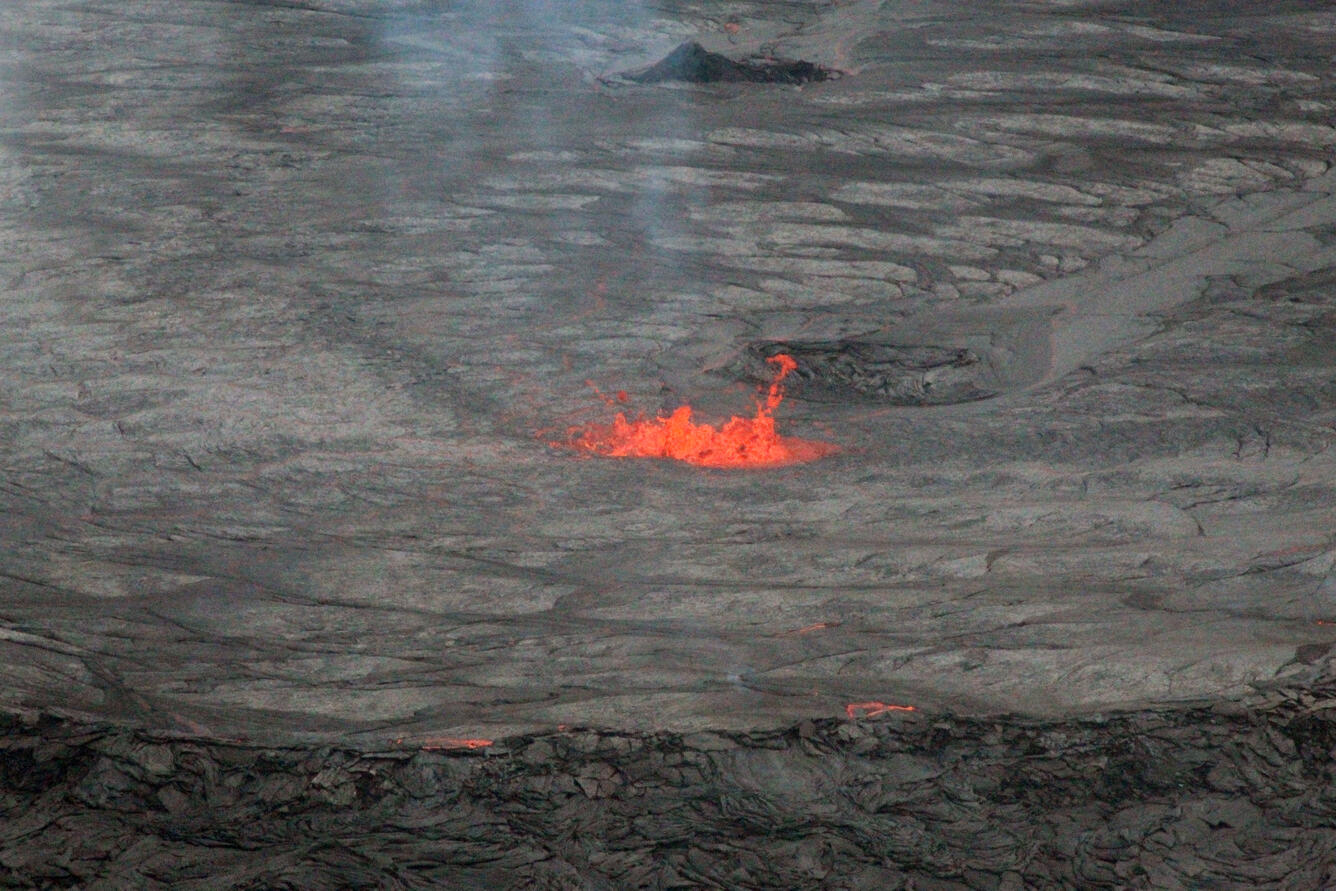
{"x":732,"y":27}
{"x":604,"y":397}
{"x":739,"y":442}
{"x":1324,"y":622}
{"x":439,"y":743}
{"x":870,"y":709}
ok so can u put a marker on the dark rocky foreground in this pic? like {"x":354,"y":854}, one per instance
{"x":1233,"y":795}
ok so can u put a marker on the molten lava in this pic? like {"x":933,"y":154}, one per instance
{"x":740,"y":442}
{"x":871,"y":709}
{"x":444,"y":743}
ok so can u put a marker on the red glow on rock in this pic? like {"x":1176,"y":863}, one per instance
{"x":739,"y":442}
{"x":445,"y":743}
{"x":870,"y":709}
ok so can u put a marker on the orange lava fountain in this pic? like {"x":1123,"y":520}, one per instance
{"x":740,"y":442}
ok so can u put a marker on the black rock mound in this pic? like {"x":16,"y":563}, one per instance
{"x":692,"y":63}
{"x":868,"y":371}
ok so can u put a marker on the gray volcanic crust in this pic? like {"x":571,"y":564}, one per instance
{"x":297,"y":297}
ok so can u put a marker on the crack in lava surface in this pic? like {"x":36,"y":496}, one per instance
{"x":750,"y":442}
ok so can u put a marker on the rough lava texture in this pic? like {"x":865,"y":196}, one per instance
{"x":297,"y":295}
{"x":1236,"y":795}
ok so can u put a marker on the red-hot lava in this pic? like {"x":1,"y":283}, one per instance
{"x":871,"y":709}
{"x":444,"y":743}
{"x":740,"y":442}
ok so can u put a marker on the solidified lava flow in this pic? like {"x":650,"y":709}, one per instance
{"x":739,"y":443}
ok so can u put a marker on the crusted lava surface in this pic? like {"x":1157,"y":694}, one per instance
{"x":315,"y":545}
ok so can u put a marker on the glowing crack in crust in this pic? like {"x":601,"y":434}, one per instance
{"x":739,"y":443}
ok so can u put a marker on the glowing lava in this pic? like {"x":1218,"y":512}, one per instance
{"x":740,"y":442}
{"x":871,"y":709}
{"x":445,"y":743}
